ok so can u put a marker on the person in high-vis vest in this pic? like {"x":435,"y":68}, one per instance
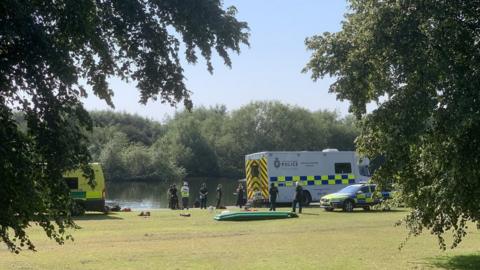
{"x":185,"y":192}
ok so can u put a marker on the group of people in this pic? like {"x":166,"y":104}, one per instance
{"x":296,"y":200}
{"x":203,"y":193}
{"x":173,"y":202}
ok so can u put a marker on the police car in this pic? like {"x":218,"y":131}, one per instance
{"x":354,"y":196}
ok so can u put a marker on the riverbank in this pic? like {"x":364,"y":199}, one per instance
{"x":315,"y":240}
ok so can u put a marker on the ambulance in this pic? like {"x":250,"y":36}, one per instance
{"x":87,"y":198}
{"x":318,"y":172}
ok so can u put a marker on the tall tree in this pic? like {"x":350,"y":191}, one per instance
{"x":273,"y":126}
{"x":421,"y":61}
{"x":48,"y":48}
{"x":186,"y":142}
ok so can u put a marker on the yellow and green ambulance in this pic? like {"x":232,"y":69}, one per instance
{"x":87,"y":198}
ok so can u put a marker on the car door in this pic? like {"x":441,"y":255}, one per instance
{"x":371,"y":197}
{"x":363,"y":196}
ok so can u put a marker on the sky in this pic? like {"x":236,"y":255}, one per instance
{"x":270,"y":69}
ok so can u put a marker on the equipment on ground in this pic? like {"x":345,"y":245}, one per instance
{"x":244,"y":216}
{"x":319,"y":173}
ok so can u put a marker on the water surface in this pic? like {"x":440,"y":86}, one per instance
{"x":140,"y":195}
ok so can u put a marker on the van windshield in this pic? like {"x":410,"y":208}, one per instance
{"x":350,"y":189}
{"x":364,"y":171}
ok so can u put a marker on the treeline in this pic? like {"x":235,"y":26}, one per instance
{"x":210,"y":142}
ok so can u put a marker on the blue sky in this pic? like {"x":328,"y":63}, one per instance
{"x":270,"y":69}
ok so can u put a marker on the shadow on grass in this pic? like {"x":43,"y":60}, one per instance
{"x":254,"y":220}
{"x":97,"y":216}
{"x":308,"y":214}
{"x":460,"y":262}
{"x":372,"y":211}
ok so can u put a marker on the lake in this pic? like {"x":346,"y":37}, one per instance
{"x":141,"y":195}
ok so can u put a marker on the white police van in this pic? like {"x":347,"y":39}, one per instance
{"x":319,"y":173}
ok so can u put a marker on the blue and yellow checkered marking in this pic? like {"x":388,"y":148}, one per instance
{"x":313,"y":180}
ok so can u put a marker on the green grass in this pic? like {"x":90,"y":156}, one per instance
{"x":460,"y":262}
{"x":315,"y":240}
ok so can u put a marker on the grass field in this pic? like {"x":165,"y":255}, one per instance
{"x":315,"y":240}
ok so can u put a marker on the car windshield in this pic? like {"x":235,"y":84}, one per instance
{"x":350,"y":189}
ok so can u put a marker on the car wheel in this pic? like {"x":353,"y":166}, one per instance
{"x":366,"y":208}
{"x":78,"y":209}
{"x":348,"y":206}
{"x":328,"y":209}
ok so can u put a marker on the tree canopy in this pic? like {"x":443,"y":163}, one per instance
{"x":210,"y":142}
{"x":50,"y":51}
{"x":420,"y":60}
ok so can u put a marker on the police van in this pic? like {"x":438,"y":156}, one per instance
{"x":87,"y":198}
{"x":318,"y":172}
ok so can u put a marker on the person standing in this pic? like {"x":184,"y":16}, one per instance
{"x":203,"y":196}
{"x":240,"y":192}
{"x":298,"y":198}
{"x":273,"y":197}
{"x":185,"y":192}
{"x":219,"y":195}
{"x":175,"y":197}
{"x":170,"y":198}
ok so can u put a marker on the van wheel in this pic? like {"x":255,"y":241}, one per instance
{"x":307,"y":198}
{"x":348,"y":206}
{"x":78,"y":209}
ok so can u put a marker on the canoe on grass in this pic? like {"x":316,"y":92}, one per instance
{"x":239,"y":216}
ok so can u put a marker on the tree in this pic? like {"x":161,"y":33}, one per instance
{"x":47,"y":49}
{"x":136,"y":128}
{"x":211,"y":142}
{"x":273,"y":126}
{"x":111,"y":158}
{"x":420,"y":60}
{"x":185,"y":142}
